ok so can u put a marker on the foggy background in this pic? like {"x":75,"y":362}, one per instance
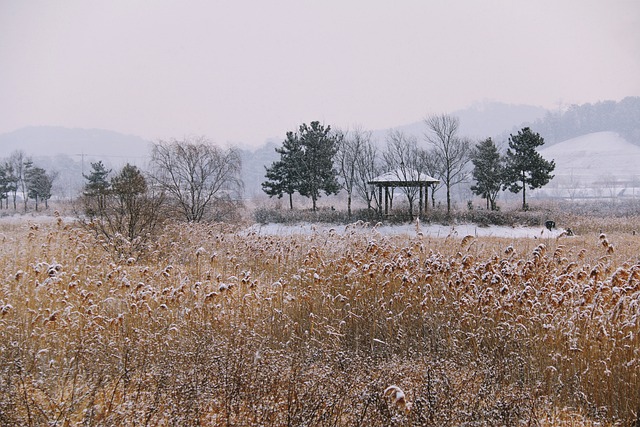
{"x":243,"y":71}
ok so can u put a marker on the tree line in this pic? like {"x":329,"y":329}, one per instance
{"x":190,"y":180}
{"x":191,"y":175}
{"x":19,"y":175}
{"x":576,"y":120}
{"x":316,"y":159}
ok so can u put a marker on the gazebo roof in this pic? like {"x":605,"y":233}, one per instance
{"x":400,"y":178}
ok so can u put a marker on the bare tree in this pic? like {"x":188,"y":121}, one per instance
{"x":432,"y":166}
{"x":367,"y":168}
{"x":354,"y":151}
{"x":194,"y":174}
{"x":20,"y":162}
{"x":452,"y":151}
{"x":402,"y":157}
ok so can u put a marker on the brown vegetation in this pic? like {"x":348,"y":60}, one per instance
{"x":216,"y":327}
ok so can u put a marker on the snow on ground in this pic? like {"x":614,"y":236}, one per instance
{"x":31,"y":218}
{"x":432,"y":230}
{"x":410,"y":230}
{"x":591,"y":157}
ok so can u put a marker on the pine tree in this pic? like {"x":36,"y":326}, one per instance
{"x":96,"y":189}
{"x":133,"y":212}
{"x":7,"y":183}
{"x":39,"y":184}
{"x":525,"y":167}
{"x":97,"y":182}
{"x":122,"y":211}
{"x":318,"y":174}
{"x":305,"y":165}
{"x":488,"y":171}
{"x":284,"y":174}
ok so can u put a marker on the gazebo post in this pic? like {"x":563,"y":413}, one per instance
{"x":380,"y":198}
{"x":386,"y":200}
{"x":426,"y":198}
{"x":420,"y":204}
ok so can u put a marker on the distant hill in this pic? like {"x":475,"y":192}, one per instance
{"x":481,"y":120}
{"x":622,"y":117}
{"x":590,"y":143}
{"x":69,"y":152}
{"x":90,"y":144}
{"x":599,"y":164}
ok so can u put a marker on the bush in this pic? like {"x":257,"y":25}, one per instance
{"x":265,"y":215}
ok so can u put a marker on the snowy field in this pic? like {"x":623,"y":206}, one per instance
{"x":409,"y":230}
{"x":431,"y":230}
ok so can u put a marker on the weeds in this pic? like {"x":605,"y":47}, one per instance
{"x":214,"y":327}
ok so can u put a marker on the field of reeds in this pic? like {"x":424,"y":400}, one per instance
{"x":215,"y":326}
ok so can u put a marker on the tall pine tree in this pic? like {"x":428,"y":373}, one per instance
{"x":525,"y":167}
{"x":488,"y":171}
{"x":283,"y":175}
{"x":319,"y":147}
{"x":305,"y":165}
{"x":96,"y":189}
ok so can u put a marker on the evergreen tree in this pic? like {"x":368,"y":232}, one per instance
{"x":132,"y":211}
{"x":39,"y":184}
{"x":97,"y":182}
{"x":319,"y":147}
{"x":7,"y":183}
{"x":525,"y":167}
{"x":305,"y":165}
{"x":488,"y":171}
{"x":96,"y":189}
{"x":284,"y":174}
{"x":122,"y":211}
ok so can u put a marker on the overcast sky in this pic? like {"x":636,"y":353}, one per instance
{"x":241,"y":71}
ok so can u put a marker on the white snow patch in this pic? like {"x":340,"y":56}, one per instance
{"x":409,"y":230}
{"x":591,"y":157}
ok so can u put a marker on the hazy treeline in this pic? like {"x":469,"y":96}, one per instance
{"x":20,"y":176}
{"x":621,"y":117}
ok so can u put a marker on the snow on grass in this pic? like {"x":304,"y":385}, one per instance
{"x":431,"y":230}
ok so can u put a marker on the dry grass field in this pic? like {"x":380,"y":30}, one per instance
{"x":220,"y":328}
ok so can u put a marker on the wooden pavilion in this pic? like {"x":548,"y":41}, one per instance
{"x":403,"y":178}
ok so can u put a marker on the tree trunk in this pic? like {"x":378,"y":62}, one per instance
{"x":291,"y":201}
{"x":349,"y":206}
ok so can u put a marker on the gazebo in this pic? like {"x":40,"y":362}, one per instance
{"x":403,"y":178}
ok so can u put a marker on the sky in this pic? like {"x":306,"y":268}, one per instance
{"x":241,"y":71}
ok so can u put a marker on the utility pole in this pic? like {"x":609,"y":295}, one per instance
{"x":82,"y":155}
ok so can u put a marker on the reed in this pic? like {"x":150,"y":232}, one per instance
{"x":215,"y":326}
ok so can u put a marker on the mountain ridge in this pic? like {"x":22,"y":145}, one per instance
{"x":89,"y":143}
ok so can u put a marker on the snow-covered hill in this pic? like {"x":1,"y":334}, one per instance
{"x":600,"y":164}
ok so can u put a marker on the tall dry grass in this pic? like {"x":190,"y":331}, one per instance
{"x":217,"y":327}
